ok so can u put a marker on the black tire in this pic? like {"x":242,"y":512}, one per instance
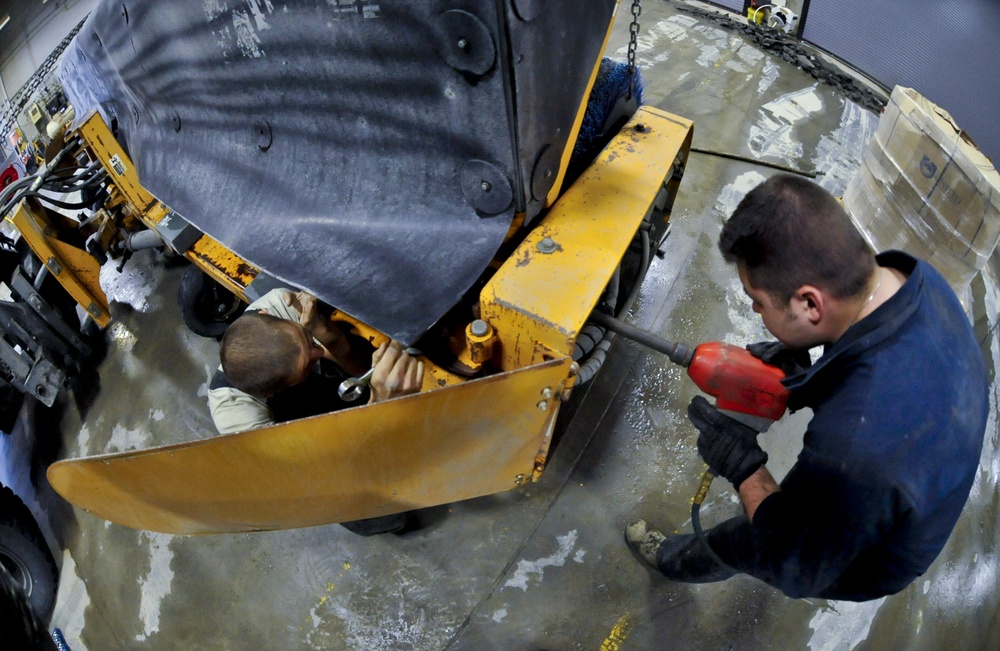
{"x":26,"y":556}
{"x":395,"y":523}
{"x":206,"y":306}
{"x":10,"y":406}
{"x":21,"y":626}
{"x":631,"y":271}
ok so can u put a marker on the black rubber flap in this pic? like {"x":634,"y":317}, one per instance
{"x":365,"y":151}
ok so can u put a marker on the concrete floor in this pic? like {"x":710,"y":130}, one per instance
{"x":544,"y":566}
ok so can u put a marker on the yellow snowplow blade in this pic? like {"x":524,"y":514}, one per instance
{"x":444,"y":444}
{"x":440,"y":446}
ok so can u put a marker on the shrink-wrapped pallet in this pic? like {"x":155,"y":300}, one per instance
{"x":923,"y":187}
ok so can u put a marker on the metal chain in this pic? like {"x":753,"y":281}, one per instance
{"x":633,"y":35}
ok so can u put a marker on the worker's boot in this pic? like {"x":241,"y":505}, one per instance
{"x":681,"y":557}
{"x":644,"y":540}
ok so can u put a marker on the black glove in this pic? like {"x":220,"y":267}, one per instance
{"x":775,"y":353}
{"x":728,"y":447}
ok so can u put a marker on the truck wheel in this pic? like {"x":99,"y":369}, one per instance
{"x":206,"y":306}
{"x":395,"y":523}
{"x":10,"y":406}
{"x":25,"y":555}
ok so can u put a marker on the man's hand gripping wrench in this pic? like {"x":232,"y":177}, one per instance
{"x":352,"y":388}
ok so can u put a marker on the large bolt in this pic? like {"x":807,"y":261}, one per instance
{"x":479,"y":328}
{"x":485,"y":186}
{"x":547,"y":245}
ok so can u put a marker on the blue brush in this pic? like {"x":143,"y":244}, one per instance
{"x":608,"y":108}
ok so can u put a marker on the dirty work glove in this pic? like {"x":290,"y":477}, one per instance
{"x":728,"y":447}
{"x":775,"y":353}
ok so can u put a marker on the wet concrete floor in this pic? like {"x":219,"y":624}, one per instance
{"x":543,"y":566}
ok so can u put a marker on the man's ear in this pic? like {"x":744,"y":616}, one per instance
{"x":810,"y":303}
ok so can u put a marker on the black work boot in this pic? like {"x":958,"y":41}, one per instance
{"x":680,"y":557}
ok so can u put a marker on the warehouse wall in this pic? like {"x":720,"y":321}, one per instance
{"x":947,"y":50}
{"x":25,"y":46}
{"x":735,"y":5}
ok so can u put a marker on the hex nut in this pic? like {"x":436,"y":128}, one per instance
{"x":547,"y":245}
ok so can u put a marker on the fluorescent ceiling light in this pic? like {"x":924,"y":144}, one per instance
{"x":6,"y":19}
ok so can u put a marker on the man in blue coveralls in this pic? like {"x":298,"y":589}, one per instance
{"x":899,"y":399}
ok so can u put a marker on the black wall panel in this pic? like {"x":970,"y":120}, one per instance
{"x":735,"y":5}
{"x":947,"y":50}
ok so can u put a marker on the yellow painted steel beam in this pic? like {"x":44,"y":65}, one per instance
{"x":106,"y":149}
{"x":543,"y":294}
{"x":75,"y":269}
{"x":431,"y":448}
{"x":225,"y":267}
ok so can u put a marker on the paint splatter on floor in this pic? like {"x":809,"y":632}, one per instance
{"x":124,"y":439}
{"x":72,"y":600}
{"x":357,"y":612}
{"x":843,"y":625}
{"x":526,"y":569}
{"x":156,"y":584}
{"x":619,"y":634}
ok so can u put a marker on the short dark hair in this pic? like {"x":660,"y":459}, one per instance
{"x":260,"y":354}
{"x":788,"y":232}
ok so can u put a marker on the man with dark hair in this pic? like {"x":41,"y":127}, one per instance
{"x":283,"y":360}
{"x":263,"y":354}
{"x":899,"y":400}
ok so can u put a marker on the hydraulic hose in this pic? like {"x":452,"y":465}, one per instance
{"x":36,"y":180}
{"x":591,"y":334}
{"x":59,"y":640}
{"x":13,"y":187}
{"x":81,"y":184}
{"x":593,"y":364}
{"x":146,"y":239}
{"x":699,"y":497}
{"x":56,"y":202}
{"x":755,"y":161}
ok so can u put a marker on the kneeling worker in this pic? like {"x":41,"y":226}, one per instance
{"x":899,"y":400}
{"x":282,"y":360}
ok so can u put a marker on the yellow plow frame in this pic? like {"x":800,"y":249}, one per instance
{"x":456,"y":439}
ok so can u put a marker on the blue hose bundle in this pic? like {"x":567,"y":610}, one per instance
{"x":59,"y":640}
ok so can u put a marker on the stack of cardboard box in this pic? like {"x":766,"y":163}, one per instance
{"x":924,"y":187}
